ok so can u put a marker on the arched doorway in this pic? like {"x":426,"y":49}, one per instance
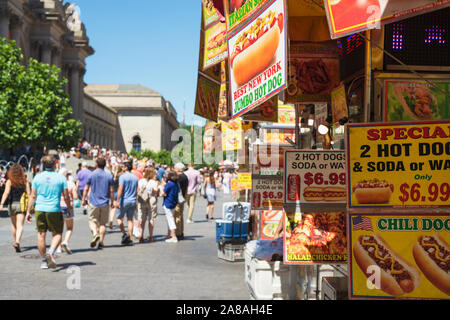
{"x":137,"y":143}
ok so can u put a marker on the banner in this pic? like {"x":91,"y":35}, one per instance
{"x":398,"y":165}
{"x":269,"y":222}
{"x":210,"y":13}
{"x":315,"y":238}
{"x":215,"y":45}
{"x":258,"y":59}
{"x":238,"y":11}
{"x":411,"y":100}
{"x":212,"y":142}
{"x":339,"y":103}
{"x":223,"y":113}
{"x":232,"y":135}
{"x":401,"y":256}
{"x":315,"y":179}
{"x":206,"y":103}
{"x":268,"y":160}
{"x":245,"y":180}
{"x":313,"y":71}
{"x":346,"y":17}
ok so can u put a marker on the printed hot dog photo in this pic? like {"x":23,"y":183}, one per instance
{"x":398,"y":277}
{"x":373,"y":191}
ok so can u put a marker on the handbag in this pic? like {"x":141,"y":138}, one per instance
{"x":24,"y":202}
{"x":180,"y":194}
{"x":77,"y":203}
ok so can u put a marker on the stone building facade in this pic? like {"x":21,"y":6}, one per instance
{"x":51,"y":31}
{"x":145,"y":119}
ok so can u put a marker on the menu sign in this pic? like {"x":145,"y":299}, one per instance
{"x":206,"y":103}
{"x":267,"y":192}
{"x":399,"y":256}
{"x":315,"y":238}
{"x":315,"y":177}
{"x":400,"y":165}
{"x":269,"y":222}
{"x":237,"y":11}
{"x":258,"y":59}
{"x":350,"y":16}
{"x":412,"y":100}
{"x":215,"y":49}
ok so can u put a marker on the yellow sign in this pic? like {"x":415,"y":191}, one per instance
{"x":234,"y":184}
{"x":401,"y":256}
{"x":245,"y":180}
{"x":400,"y":165}
{"x":232,"y":135}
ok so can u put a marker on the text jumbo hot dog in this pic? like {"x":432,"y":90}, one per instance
{"x":432,"y":255}
{"x":398,"y":277}
{"x":255,"y":48}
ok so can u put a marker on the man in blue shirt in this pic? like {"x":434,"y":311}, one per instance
{"x":101,"y":185}
{"x":46,"y":191}
{"x":126,"y":201}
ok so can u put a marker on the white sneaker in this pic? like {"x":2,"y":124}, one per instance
{"x":50,"y":261}
{"x":58,"y":250}
{"x":189,"y":221}
{"x":44,"y":265}
{"x":172,"y":240}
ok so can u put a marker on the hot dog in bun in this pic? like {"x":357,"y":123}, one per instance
{"x":256,"y":47}
{"x":334,"y":194}
{"x":432,"y":255}
{"x":373,"y":191}
{"x":313,"y":194}
{"x":398,"y":277}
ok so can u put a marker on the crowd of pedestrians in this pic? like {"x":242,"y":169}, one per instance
{"x":119,"y":188}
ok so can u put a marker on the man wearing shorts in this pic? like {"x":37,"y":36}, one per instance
{"x":100,"y":183}
{"x":46,"y":191}
{"x":126,"y":201}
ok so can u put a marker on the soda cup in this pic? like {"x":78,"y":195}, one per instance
{"x":256,"y":200}
{"x":293,"y":187}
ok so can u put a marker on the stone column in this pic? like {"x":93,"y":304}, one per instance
{"x":46,"y":52}
{"x":4,"y":22}
{"x":74,"y":90}
{"x":16,"y":27}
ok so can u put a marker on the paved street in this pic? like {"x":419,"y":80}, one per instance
{"x":189,"y":269}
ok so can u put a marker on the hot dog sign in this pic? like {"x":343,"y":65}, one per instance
{"x":315,"y":178}
{"x":401,"y":165}
{"x":399,"y":256}
{"x":258,"y":59}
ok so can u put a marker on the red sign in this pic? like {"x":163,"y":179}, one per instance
{"x":350,"y":16}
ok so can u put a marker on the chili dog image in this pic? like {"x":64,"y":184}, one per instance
{"x":373,"y":191}
{"x":432,"y":255}
{"x":398,"y":277}
{"x":256,"y":47}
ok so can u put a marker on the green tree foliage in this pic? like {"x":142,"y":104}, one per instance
{"x":34,"y":109}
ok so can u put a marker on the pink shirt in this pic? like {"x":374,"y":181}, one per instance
{"x":193,"y":180}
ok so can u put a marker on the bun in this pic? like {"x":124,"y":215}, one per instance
{"x":256,"y":57}
{"x":335,"y":194}
{"x":313,"y":194}
{"x":373,"y":195}
{"x":388,"y":283}
{"x":438,"y":276}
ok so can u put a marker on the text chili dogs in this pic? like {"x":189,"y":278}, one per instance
{"x":255,"y":48}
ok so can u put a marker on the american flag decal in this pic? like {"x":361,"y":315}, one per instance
{"x":362,"y":223}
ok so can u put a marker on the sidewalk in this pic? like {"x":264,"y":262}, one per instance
{"x":189,"y":269}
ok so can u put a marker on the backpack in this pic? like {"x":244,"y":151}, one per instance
{"x":143,"y":195}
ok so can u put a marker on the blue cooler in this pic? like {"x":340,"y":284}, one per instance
{"x":231,"y":231}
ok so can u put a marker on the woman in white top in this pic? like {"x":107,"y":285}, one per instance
{"x":153,"y":189}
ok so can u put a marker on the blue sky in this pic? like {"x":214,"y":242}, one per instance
{"x":149,"y":42}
